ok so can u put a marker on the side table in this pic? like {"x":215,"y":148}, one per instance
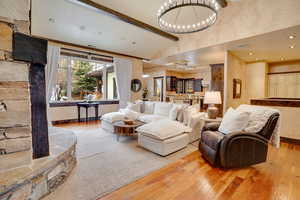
{"x":87,"y":106}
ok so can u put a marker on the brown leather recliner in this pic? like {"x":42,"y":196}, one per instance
{"x":236,"y":149}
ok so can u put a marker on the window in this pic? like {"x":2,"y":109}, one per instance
{"x":82,"y":79}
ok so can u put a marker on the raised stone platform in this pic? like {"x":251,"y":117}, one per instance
{"x":43,"y":175}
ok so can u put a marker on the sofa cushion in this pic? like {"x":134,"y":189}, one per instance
{"x":180,"y":116}
{"x":134,"y":106}
{"x":212,"y":139}
{"x":174,"y":112}
{"x":163,"y":129}
{"x":150,"y":118}
{"x":148,"y":107}
{"x":130,"y":114}
{"x":234,"y":121}
{"x":113,"y":117}
{"x":162,"y":108}
{"x":188,"y":113}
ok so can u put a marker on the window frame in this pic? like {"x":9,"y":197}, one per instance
{"x":69,"y":74}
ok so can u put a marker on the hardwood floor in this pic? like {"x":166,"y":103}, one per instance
{"x":192,"y":178}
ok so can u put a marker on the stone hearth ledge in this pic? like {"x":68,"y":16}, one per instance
{"x":43,"y":175}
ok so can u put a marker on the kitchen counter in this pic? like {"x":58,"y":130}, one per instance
{"x":281,"y":102}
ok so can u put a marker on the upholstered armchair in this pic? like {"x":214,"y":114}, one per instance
{"x":236,"y":149}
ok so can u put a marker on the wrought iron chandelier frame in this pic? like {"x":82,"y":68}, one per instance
{"x":187,"y":28}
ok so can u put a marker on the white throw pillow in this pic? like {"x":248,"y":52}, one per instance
{"x":130,"y":114}
{"x":162,"y":108}
{"x":174,"y":112}
{"x":163,"y":129}
{"x":113,"y":117}
{"x":180,"y":116}
{"x":134,"y":107}
{"x":149,"y":107}
{"x":188,"y":112}
{"x":147,"y":118}
{"x":234,"y":121}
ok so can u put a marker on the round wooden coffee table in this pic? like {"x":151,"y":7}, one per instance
{"x":122,"y":129}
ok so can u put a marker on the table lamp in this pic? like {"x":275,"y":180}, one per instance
{"x":211,"y":98}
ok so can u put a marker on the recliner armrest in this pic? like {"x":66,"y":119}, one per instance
{"x":242,"y":149}
{"x":212,"y":126}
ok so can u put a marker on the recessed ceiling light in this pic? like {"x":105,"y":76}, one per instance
{"x":250,"y":53}
{"x":145,"y":75}
{"x":291,"y":37}
{"x":52,"y":20}
{"x":292,"y":46}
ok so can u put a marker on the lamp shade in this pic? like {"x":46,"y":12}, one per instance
{"x":213,"y":97}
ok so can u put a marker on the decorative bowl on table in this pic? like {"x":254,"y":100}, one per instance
{"x":128,"y":122}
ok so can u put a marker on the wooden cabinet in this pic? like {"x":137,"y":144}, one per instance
{"x":189,"y":85}
{"x":171,"y":83}
{"x":198,"y":85}
{"x":180,"y":86}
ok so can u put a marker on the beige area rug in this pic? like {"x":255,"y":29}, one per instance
{"x":105,"y":165}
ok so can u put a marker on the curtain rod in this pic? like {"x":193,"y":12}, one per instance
{"x":78,"y":51}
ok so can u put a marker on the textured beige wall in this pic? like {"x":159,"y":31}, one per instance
{"x":234,"y":68}
{"x":256,"y":80}
{"x":137,"y":72}
{"x":241,"y":19}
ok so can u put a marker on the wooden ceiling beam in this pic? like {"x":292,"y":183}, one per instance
{"x":127,"y":19}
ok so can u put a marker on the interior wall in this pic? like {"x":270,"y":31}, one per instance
{"x":239,"y":20}
{"x":256,"y":80}
{"x":235,"y":68}
{"x":137,"y":73}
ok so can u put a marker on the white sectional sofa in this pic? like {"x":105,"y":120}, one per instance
{"x":161,"y":117}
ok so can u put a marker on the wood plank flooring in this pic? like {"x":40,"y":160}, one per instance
{"x":192,"y":178}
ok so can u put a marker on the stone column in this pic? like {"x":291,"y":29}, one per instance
{"x":15,"y":111}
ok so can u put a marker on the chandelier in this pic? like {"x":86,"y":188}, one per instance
{"x":187,"y":16}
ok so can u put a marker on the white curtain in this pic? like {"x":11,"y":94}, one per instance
{"x":123,"y":70}
{"x":53,"y":55}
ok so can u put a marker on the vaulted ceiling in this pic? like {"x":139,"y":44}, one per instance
{"x":65,"y":21}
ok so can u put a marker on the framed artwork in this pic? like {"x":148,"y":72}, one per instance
{"x":237,"y":88}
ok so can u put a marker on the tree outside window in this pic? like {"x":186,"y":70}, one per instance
{"x":82,"y":84}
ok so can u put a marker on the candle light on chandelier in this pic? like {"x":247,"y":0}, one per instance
{"x":198,"y":25}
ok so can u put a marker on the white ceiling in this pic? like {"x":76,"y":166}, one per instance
{"x":79,"y":25}
{"x":270,"y":47}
